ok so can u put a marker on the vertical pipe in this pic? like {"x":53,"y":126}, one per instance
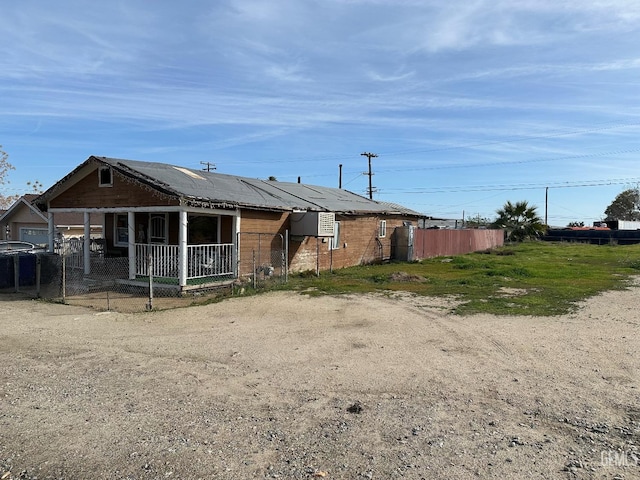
{"x":340,"y":176}
{"x":87,"y":244}
{"x":51,"y":231}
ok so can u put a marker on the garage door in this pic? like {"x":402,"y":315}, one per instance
{"x":39,"y":236}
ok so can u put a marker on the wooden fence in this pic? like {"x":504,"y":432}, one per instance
{"x":428,"y":243}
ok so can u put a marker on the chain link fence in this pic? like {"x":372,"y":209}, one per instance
{"x":110,"y":283}
{"x":32,"y":274}
{"x":263,"y":259}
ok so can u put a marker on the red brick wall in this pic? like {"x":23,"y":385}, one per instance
{"x":359,"y":241}
{"x":359,"y":244}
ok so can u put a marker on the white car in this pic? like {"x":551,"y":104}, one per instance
{"x":8,"y":247}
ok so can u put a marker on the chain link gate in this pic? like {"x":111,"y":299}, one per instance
{"x":262,"y":258}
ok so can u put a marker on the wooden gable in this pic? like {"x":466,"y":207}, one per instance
{"x":86,"y":192}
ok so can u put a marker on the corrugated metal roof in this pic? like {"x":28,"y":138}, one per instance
{"x":235,"y":191}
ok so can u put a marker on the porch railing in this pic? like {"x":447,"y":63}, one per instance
{"x":164,"y":260}
{"x":209,"y":260}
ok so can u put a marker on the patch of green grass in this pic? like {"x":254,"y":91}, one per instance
{"x":550,"y":278}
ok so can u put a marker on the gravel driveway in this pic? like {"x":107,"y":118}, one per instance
{"x":288,"y":386}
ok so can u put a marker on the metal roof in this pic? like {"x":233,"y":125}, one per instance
{"x":216,"y":189}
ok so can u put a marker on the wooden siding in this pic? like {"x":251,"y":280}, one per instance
{"x":124,"y":193}
{"x":261,"y":239}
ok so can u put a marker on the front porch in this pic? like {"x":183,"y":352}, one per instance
{"x":205,"y":264}
{"x":208,"y":266}
{"x":182,"y":248}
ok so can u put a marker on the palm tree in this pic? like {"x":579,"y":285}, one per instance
{"x":519,"y":221}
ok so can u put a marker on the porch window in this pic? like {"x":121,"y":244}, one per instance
{"x":382,"y":231}
{"x":105,"y":177}
{"x":121,"y":230}
{"x":204,"y":229}
{"x":158,"y":229}
{"x":334,"y":243}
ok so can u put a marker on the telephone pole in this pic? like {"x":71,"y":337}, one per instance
{"x":209,"y":166}
{"x":369,"y":156}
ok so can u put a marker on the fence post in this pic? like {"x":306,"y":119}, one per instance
{"x":286,"y":256}
{"x":150,"y":271}
{"x":64,"y":277}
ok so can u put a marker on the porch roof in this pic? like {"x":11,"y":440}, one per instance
{"x":216,"y":190}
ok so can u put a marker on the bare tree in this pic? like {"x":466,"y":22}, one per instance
{"x":5,"y":167}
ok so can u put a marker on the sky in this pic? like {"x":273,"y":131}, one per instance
{"x":467,"y":104}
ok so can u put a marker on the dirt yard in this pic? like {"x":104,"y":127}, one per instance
{"x":351,"y":387}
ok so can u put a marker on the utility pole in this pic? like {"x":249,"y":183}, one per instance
{"x":340,"y":176}
{"x":369,"y":156}
{"x":209,"y":166}
{"x":546,"y":205}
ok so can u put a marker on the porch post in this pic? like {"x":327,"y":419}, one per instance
{"x":182,"y":248}
{"x":131,"y":233}
{"x":236,"y":243}
{"x":87,"y":243}
{"x":52,"y":231}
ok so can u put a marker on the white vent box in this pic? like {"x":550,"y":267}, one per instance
{"x":312,"y":224}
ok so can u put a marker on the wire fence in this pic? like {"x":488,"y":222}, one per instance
{"x":263,"y":259}
{"x":143,"y":283}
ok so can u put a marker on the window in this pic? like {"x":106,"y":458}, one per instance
{"x":105,"y":177}
{"x":203,"y":229}
{"x":334,"y":243}
{"x":158,"y":229}
{"x":382,"y":232}
{"x":121,"y":230}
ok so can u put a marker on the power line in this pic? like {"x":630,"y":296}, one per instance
{"x":500,"y":164}
{"x":523,"y":186}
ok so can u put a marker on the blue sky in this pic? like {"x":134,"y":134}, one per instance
{"x":467,"y":104}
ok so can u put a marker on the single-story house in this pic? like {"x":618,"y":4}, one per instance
{"x":198,"y":224}
{"x":24,"y":221}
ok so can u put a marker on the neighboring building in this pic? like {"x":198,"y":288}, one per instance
{"x":190,"y":220}
{"x":24,"y":221}
{"x":623,"y":225}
